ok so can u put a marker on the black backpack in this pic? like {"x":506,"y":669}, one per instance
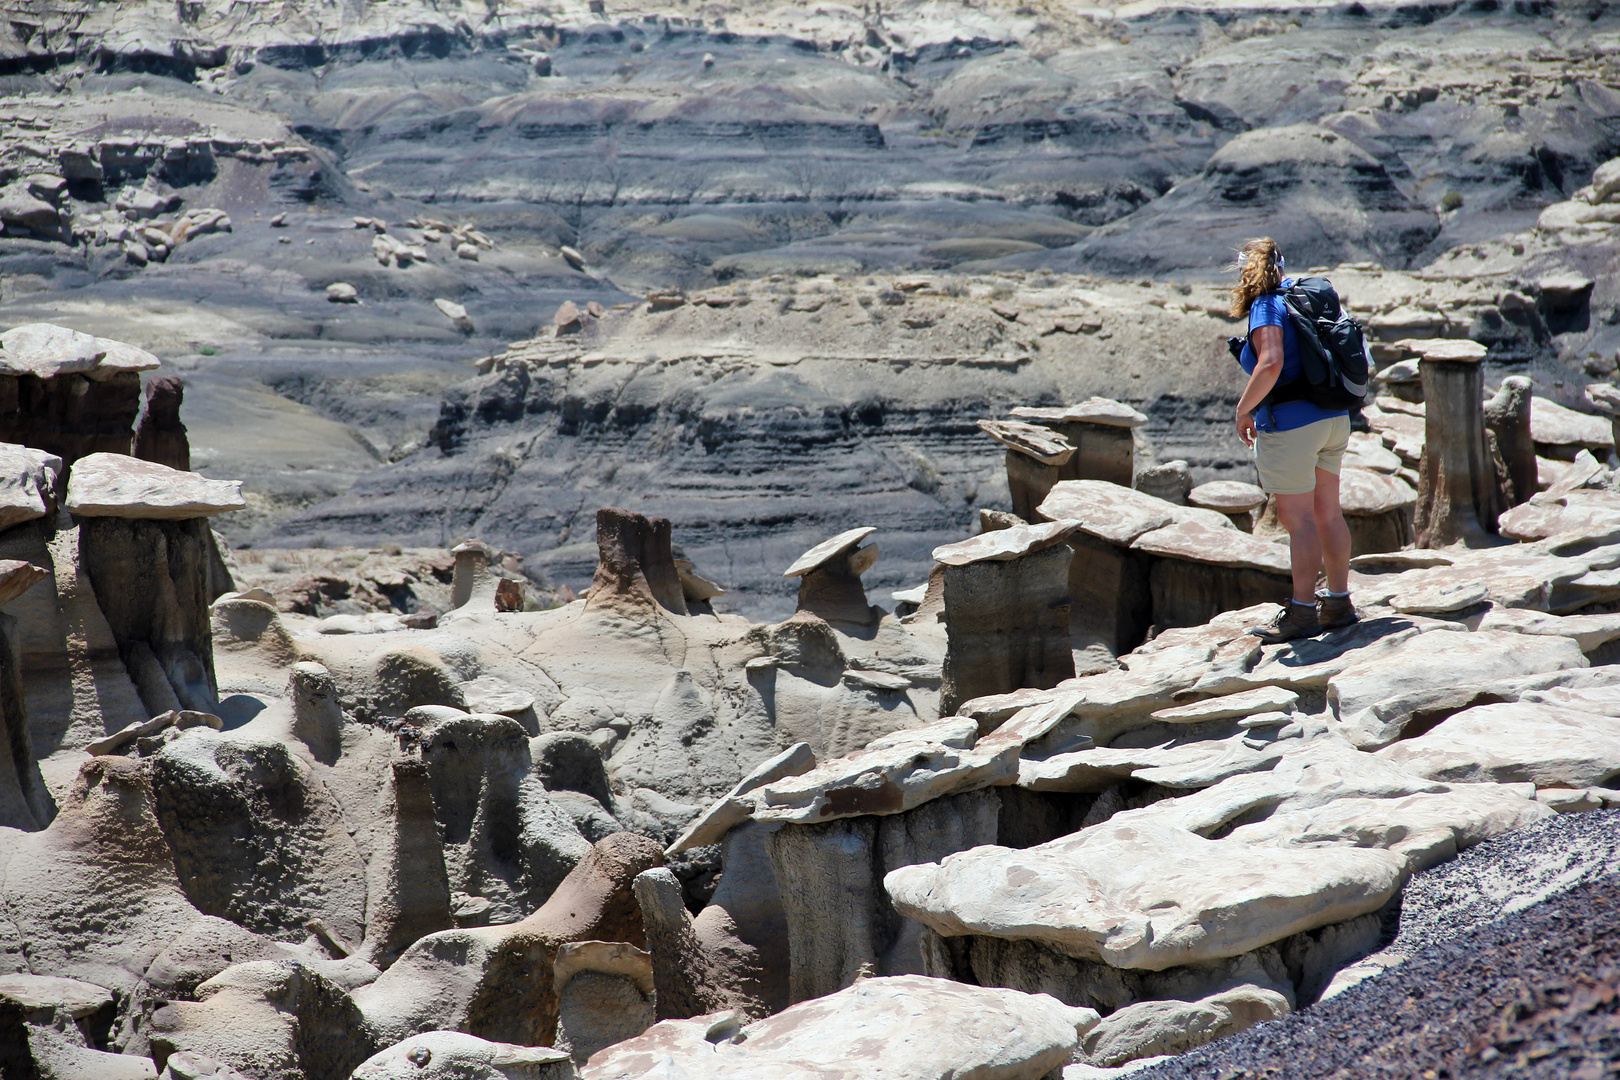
{"x":1333,"y":354}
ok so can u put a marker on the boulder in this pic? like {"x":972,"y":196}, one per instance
{"x":1170,"y":481}
{"x":907,"y":1027}
{"x":118,"y":486}
{"x":450,"y":1055}
{"x":341,"y":292}
{"x":605,"y":994}
{"x":830,"y":578}
{"x":1145,"y":896}
{"x":1153,"y":1028}
{"x":1006,"y":612}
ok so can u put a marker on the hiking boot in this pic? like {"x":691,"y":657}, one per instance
{"x":1292,"y":621}
{"x":1335,"y":612}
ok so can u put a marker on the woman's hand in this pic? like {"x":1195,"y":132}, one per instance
{"x":1245,"y":427}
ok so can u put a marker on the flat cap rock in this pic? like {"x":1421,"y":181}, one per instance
{"x":828,"y":549}
{"x":1454,"y":350}
{"x":120,"y":358}
{"x":1193,"y":541}
{"x":1606,"y":396}
{"x":27,"y":477}
{"x":16,"y":578}
{"x":77,"y":999}
{"x":1363,"y":492}
{"x":45,"y":350}
{"x":1553,"y":424}
{"x":1093,"y":410}
{"x":1004,"y":544}
{"x":1041,"y":443}
{"x":1227,"y":496}
{"x":115,"y":485}
{"x":1246,"y":703}
{"x":1119,"y":514}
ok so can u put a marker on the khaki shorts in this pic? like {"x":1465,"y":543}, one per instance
{"x":1288,"y":460}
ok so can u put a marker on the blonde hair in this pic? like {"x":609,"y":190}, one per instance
{"x":1259,"y":268}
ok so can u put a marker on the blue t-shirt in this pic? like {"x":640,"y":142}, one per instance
{"x":1269,"y":310}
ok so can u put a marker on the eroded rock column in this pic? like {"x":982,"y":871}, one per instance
{"x":160,"y":435}
{"x":1507,"y":417}
{"x":24,"y":802}
{"x":1459,"y":497}
{"x":1006,"y":599}
{"x":635,"y":565}
{"x":1035,"y":459}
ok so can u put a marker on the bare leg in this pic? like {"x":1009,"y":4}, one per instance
{"x":1298,"y":515}
{"x":1332,"y":533}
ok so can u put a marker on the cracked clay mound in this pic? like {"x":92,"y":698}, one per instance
{"x":1534,"y":993}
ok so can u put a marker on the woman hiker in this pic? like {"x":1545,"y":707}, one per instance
{"x":1297,"y":450}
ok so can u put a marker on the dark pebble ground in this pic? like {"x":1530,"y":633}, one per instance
{"x":1512,"y":970}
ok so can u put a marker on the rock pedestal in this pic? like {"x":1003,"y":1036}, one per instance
{"x":635,"y":566}
{"x":1169,"y":480}
{"x":472,"y":586}
{"x":68,"y":393}
{"x":1237,"y":500}
{"x":1459,"y":497}
{"x":1102,"y":432}
{"x":1035,"y":459}
{"x":1377,"y":508}
{"x":830,"y":578}
{"x":1198,"y":572}
{"x":1507,"y":417}
{"x":840,"y":922}
{"x":1006,"y":597}
{"x":24,"y":802}
{"x":160,"y":435}
{"x":145,"y":544}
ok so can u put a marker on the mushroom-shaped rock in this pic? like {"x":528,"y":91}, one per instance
{"x":1199,"y":571}
{"x":27,"y":484}
{"x":119,"y":486}
{"x":1006,"y":601}
{"x":1508,"y":417}
{"x":902,"y":1026}
{"x":148,"y":551}
{"x":1233,"y":498}
{"x":635,"y":565}
{"x":1459,"y":497}
{"x":1035,"y":457}
{"x":1378,"y":509}
{"x":1101,"y":431}
{"x":605,"y":993}
{"x":830,"y":577}
{"x":472,"y":586}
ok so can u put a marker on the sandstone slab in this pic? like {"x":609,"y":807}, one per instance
{"x":826,"y":550}
{"x":45,"y":351}
{"x":1032,"y":440}
{"x":1002,"y":545}
{"x":1551,"y":424}
{"x":1515,"y":742}
{"x":906,"y":1027}
{"x":1145,"y":896}
{"x":1194,"y":541}
{"x":113,"y":485}
{"x":27,"y":483}
{"x":1093,"y":410}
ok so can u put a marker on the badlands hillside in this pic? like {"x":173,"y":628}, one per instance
{"x":588,"y":542}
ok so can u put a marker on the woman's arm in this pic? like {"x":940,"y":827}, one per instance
{"x":1268,"y":351}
